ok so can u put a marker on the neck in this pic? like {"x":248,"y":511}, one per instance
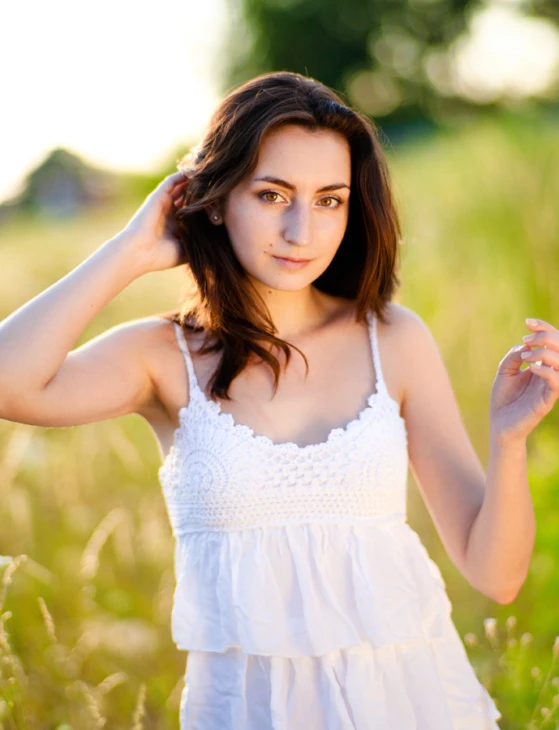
{"x":293,"y":312}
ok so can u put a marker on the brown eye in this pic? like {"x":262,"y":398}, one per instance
{"x":268,"y":192}
{"x":331,"y":197}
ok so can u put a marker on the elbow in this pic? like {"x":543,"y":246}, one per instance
{"x":509,"y":594}
{"x":505,"y":598}
{"x":502,"y":598}
{"x":501,"y":595}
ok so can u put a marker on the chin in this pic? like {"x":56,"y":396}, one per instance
{"x":294,"y":282}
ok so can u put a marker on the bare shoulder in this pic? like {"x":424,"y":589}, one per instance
{"x":401,"y":340}
{"x":145,"y":337}
{"x":151,"y":342}
{"x":144,"y":330}
{"x":167,"y":368}
{"x":401,"y":323}
{"x":153,"y":332}
{"x":404,"y":333}
{"x":157,"y":341}
{"x":141,"y":349}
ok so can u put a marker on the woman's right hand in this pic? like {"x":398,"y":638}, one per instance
{"x":153,"y":230}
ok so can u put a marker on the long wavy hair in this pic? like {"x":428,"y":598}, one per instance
{"x":220,"y":298}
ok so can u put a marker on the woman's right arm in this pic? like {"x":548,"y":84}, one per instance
{"x":42,"y":380}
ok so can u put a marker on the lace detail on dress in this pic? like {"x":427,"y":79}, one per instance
{"x":196,"y":393}
{"x":220,"y":475}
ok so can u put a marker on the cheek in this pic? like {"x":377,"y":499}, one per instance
{"x":330,"y":230}
{"x":251,"y":233}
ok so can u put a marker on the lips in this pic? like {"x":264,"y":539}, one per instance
{"x":289,"y":264}
{"x":295,"y":261}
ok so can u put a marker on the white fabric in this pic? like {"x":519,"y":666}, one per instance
{"x":304,"y":598}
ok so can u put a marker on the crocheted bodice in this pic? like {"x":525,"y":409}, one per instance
{"x":295,"y":550}
{"x":220,"y":475}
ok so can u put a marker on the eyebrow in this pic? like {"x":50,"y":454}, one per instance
{"x":289,"y":186}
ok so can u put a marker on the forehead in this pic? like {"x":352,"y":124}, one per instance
{"x":293,"y":151}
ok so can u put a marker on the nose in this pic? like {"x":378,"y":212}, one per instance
{"x":298,"y":225}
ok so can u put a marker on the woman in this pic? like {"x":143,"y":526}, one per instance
{"x":303,"y":597}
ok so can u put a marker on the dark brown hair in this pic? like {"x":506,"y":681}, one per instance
{"x":222,"y":302}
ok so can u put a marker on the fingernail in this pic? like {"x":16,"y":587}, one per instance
{"x":528,"y":338}
{"x":524,"y":355}
{"x":532,"y":322}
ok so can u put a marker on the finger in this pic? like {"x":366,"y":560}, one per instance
{"x":549,"y":376}
{"x":510,"y":364}
{"x":540,"y":325}
{"x":180,"y":188}
{"x":544,"y":355}
{"x":169,"y":182}
{"x":543,"y":339}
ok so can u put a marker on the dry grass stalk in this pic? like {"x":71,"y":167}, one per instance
{"x":97,"y":721}
{"x":8,"y":575}
{"x":140,"y":711}
{"x":110,"y":682}
{"x":47,"y":618}
{"x":90,"y":556}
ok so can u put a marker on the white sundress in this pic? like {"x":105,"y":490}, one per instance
{"x":303,"y":597}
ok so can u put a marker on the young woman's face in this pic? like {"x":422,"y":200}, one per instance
{"x":299,"y":212}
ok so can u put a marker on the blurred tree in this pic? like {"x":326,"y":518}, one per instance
{"x":394,"y":59}
{"x":374,"y":51}
{"x":546,"y":8}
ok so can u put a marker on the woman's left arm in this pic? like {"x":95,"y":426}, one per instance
{"x":502,"y":536}
{"x":485,"y":520}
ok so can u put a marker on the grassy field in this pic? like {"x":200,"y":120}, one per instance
{"x":84,"y":617}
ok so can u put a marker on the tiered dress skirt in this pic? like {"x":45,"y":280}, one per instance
{"x":321,"y":627}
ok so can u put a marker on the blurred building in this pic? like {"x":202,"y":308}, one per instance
{"x":62,"y":186}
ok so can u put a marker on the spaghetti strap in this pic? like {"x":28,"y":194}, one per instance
{"x":380,"y":384}
{"x":181,"y":340}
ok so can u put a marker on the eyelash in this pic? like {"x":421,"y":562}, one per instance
{"x":328,"y":197}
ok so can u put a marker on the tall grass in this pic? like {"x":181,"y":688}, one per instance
{"x":85,"y":615}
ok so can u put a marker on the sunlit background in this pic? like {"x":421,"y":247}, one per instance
{"x":120,"y":83}
{"x":98,"y":103}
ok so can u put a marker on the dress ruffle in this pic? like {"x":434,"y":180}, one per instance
{"x":420,"y":684}
{"x":307,"y":589}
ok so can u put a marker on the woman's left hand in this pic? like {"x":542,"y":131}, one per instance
{"x":521,"y":398}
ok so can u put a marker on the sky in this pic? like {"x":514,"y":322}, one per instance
{"x":125,"y":83}
{"x":120,"y":82}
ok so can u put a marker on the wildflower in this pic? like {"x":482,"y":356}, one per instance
{"x":471,"y":639}
{"x":490,"y":627}
{"x":556,"y":647}
{"x":526,"y":638}
{"x":511,"y":622}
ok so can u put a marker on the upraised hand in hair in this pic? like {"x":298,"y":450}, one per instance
{"x":153,"y":230}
